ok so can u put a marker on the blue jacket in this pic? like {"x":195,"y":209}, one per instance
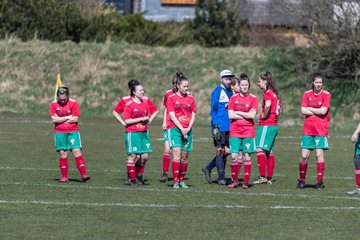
{"x":219,"y":108}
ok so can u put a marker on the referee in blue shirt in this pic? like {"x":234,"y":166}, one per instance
{"x":220,"y":126}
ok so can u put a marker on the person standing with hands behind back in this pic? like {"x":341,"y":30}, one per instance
{"x":65,"y":113}
{"x":220,"y":126}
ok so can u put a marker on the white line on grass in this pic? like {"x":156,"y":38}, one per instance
{"x":191,"y":190}
{"x":131,"y":205}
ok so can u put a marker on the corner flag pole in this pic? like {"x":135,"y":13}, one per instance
{"x":57,"y":85}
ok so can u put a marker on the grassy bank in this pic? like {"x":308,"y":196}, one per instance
{"x":97,"y":74}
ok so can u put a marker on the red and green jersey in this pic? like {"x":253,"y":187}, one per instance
{"x":71,"y":108}
{"x":166,"y":97}
{"x":316,"y":125}
{"x":242,"y":128}
{"x":138,"y":110}
{"x":119,"y":108}
{"x":269,"y":95}
{"x":183,"y":107}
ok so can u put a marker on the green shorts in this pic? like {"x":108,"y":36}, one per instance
{"x":357,"y":146}
{"x":67,"y":141}
{"x":265,"y":137}
{"x":166,"y":135}
{"x":176,"y":140}
{"x":137,"y":143}
{"x":246,"y":145}
{"x":314,"y":142}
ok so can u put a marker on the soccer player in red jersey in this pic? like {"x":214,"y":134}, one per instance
{"x":242,"y":111}
{"x":355,"y":138}
{"x":137,"y":115}
{"x":315,"y":106}
{"x":182,"y":109}
{"x":166,"y":123}
{"x":268,"y":129}
{"x":65,"y":113}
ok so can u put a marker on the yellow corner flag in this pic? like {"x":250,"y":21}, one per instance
{"x":57,"y":85}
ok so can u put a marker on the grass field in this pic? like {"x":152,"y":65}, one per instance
{"x":33,"y":205}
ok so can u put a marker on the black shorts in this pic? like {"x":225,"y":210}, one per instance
{"x":223,"y":141}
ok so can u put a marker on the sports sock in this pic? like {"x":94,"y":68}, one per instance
{"x":212,"y":164}
{"x":261,"y":159}
{"x":183,"y":169}
{"x":302,"y":170}
{"x":176,"y":169}
{"x":270,"y":165}
{"x":247,"y":171}
{"x":166,"y":162}
{"x":131,"y":169}
{"x":64,"y":167}
{"x":239,"y":161}
{"x":80,"y":163}
{"x":357,"y":177}
{"x":137,"y":167}
{"x":320,"y":168}
{"x":234,"y":166}
{"x":220,"y":164}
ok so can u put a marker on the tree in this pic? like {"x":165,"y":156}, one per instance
{"x":217,"y":24}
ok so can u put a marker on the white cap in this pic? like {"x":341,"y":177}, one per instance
{"x":226,"y":73}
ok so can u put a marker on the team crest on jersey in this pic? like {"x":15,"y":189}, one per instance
{"x":148,"y":145}
{"x":72,"y":141}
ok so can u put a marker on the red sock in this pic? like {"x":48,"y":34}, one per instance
{"x":131,"y":170}
{"x":302,"y":170}
{"x":234,"y":166}
{"x":357,"y":177}
{"x":176,"y":169}
{"x":166,"y":162}
{"x":320,"y":167}
{"x":137,"y":167}
{"x":64,"y":167}
{"x":183,"y":169}
{"x":247,"y":171}
{"x":261,"y":159}
{"x":270,"y":165}
{"x":80,"y":163}
{"x":239,"y":161}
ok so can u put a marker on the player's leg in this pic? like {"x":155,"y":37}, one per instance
{"x":62,"y":149}
{"x":235,"y":151}
{"x":247,"y":170}
{"x":183,"y":168}
{"x":165,"y":159}
{"x":303,"y":165}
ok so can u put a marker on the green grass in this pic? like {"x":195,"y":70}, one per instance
{"x":33,"y":205}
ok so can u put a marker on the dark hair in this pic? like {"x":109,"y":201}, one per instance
{"x":63,"y":91}
{"x":173,"y":83}
{"x":179,"y":78}
{"x":267,"y":76}
{"x":133,"y":82}
{"x":244,"y":77}
{"x":233,"y":81}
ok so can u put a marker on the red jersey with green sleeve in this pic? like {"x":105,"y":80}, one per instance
{"x":166,"y":97}
{"x":183,"y":107}
{"x":119,"y":108}
{"x":71,"y":108}
{"x":137,"y":110}
{"x":242,"y":128}
{"x":316,"y":125}
{"x":274,"y":108}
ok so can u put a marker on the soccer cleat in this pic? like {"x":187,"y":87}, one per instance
{"x":63,"y":180}
{"x":176,"y":185}
{"x":245,"y":185}
{"x":183,"y":185}
{"x":85,"y":178}
{"x":261,"y":180}
{"x":140,"y":179}
{"x":164,"y":177}
{"x":269,"y":181}
{"x":233,"y":185}
{"x":320,"y":185}
{"x":221,"y":182}
{"x":300,"y":185}
{"x":354,"y":191}
{"x":134,"y":183}
{"x":207,"y":173}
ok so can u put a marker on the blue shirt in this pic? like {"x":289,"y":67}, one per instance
{"x":219,"y":103}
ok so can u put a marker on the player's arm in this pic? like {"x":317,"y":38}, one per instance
{"x":119,"y":118}
{"x":164,"y":120}
{"x":266,"y":112}
{"x":191,"y":122}
{"x":234,"y":115}
{"x":176,"y":121}
{"x":56,"y":119}
{"x":318,"y":111}
{"x":73,"y":119}
{"x":214,"y":107}
{"x":356,"y":133}
{"x":153,"y":115}
{"x":137,"y":120}
{"x":248,"y":115}
{"x":305,"y":111}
